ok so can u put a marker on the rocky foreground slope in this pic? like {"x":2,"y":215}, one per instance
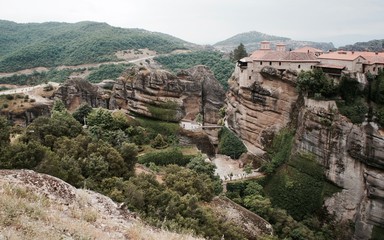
{"x":38,"y":206}
{"x":353,"y":155}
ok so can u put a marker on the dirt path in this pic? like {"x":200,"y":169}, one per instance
{"x":34,"y":92}
{"x":229,"y":169}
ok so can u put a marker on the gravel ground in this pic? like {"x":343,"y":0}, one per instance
{"x":225,"y":167}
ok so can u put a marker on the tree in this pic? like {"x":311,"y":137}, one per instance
{"x":4,"y":132}
{"x":159,"y":142}
{"x":82,"y":112}
{"x":239,"y":53}
{"x":129,"y":153}
{"x":59,"y":106}
{"x":230,"y":144}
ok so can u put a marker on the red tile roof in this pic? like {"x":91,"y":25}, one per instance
{"x":283,"y":56}
{"x":341,"y":55}
{"x":307,"y":49}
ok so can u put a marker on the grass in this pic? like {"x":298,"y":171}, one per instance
{"x":28,"y":214}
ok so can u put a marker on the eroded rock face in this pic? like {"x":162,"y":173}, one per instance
{"x":185,"y":95}
{"x":260,"y":104}
{"x":353,"y":157}
{"x":75,"y":92}
{"x":153,"y":93}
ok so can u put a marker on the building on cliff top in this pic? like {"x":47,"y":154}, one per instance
{"x":307,"y":58}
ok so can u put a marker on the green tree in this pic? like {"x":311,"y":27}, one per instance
{"x":59,"y":106}
{"x":239,"y":53}
{"x":82,"y":112}
{"x":159,"y":142}
{"x":4,"y":132}
{"x":230,"y":144}
{"x":129,"y":153}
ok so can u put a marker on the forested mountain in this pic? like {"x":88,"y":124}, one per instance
{"x":251,"y":41}
{"x":373,"y":45}
{"x":52,"y":44}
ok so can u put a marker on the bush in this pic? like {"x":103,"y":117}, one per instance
{"x":298,"y":187}
{"x":315,"y":82}
{"x":162,"y":158}
{"x":280,"y":150}
{"x":230,"y":144}
{"x":355,"y":110}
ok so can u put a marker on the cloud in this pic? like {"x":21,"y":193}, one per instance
{"x":209,"y":21}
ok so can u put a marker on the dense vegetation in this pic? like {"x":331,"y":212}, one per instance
{"x":291,"y":196}
{"x":102,"y":155}
{"x":107,"y":71}
{"x":230,"y":144}
{"x":354,"y":100}
{"x":53,"y":44}
{"x":221,"y":67}
{"x":35,"y":78}
{"x":250,"y":37}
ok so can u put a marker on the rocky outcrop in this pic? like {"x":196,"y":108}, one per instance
{"x":24,"y":116}
{"x":77,"y":91}
{"x":153,"y":93}
{"x":256,"y":109}
{"x":261,"y":103}
{"x":39,"y":206}
{"x":353,"y":157}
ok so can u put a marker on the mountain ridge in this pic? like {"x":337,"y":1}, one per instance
{"x":51,"y":44}
{"x":252,"y":39}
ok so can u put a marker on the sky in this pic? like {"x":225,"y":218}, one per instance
{"x":209,"y":21}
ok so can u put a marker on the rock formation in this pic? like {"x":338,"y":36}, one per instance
{"x":160,"y":94}
{"x":260,"y":104}
{"x":256,"y":109}
{"x":353,"y":156}
{"x":39,"y":206}
{"x":153,"y":93}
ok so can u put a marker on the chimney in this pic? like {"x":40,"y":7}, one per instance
{"x":280,"y":47}
{"x":264,"y":45}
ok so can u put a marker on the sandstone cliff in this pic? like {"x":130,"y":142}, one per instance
{"x":259,"y":107}
{"x":353,"y":156}
{"x":153,"y":93}
{"x":261,"y":103}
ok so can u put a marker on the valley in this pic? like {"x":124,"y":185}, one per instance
{"x":158,"y":138}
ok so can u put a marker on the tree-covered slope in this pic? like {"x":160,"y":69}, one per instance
{"x":51,"y":44}
{"x":250,"y":37}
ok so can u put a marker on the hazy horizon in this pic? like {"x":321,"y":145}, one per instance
{"x":208,"y":22}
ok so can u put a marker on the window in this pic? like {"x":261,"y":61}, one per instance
{"x":270,"y":63}
{"x":261,"y":63}
{"x":279,"y":63}
{"x":249,"y":77}
{"x":374,"y":68}
{"x":298,"y":66}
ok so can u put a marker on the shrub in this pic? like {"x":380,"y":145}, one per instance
{"x":162,"y":158}
{"x":230,"y":144}
{"x":355,"y":110}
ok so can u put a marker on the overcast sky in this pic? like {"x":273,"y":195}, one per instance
{"x":209,"y":21}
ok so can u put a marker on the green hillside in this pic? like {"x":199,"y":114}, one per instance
{"x":250,"y":37}
{"x":52,"y":44}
